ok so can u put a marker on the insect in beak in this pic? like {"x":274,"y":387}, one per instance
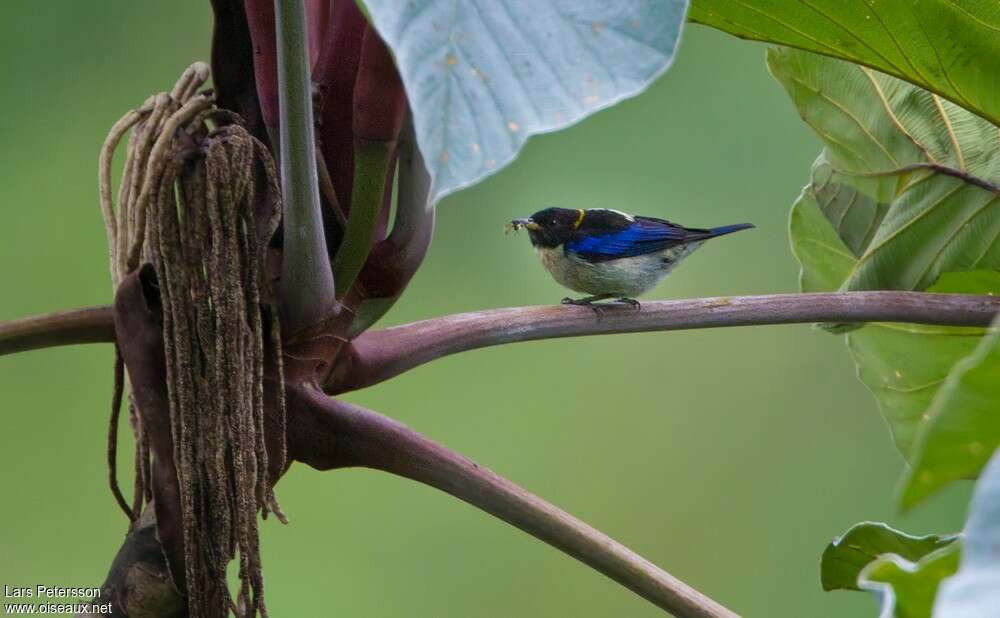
{"x":517,"y":224}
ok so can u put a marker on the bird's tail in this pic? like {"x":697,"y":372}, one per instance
{"x":727,"y":229}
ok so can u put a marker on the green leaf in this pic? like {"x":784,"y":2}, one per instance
{"x":903,"y":365}
{"x":845,"y":557}
{"x":948,"y":47}
{"x":974,"y":592}
{"x":964,"y":425}
{"x":907,"y":178}
{"x":908,"y":589}
{"x":826,"y":261}
{"x":482,"y":76}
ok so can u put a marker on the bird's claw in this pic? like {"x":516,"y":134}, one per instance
{"x":585,"y":302}
{"x":631,"y":302}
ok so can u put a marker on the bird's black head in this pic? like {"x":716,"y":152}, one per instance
{"x":550,"y":227}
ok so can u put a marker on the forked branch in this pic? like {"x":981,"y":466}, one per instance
{"x":383,"y":354}
{"x":334,"y":434}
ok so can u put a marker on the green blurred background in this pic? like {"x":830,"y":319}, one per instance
{"x":729,"y":457}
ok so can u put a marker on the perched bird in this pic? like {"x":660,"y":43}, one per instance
{"x":609,"y":254}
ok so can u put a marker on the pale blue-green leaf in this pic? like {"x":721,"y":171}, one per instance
{"x":974,"y":592}
{"x":482,"y":76}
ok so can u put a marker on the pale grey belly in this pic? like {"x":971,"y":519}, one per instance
{"x":628,"y":277}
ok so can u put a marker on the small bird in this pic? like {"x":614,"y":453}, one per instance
{"x":610,"y":254}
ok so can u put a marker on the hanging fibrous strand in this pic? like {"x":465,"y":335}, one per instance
{"x":199,"y":201}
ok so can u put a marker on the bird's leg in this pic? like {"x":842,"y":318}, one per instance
{"x":589,"y":301}
{"x":631,"y":302}
{"x":586,"y":301}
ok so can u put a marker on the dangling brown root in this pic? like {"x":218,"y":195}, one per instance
{"x":116,"y":406}
{"x":199,"y":200}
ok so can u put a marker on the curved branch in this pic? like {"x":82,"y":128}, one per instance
{"x":379,"y":355}
{"x":87,"y":325}
{"x":333,"y":434}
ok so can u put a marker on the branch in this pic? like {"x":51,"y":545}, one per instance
{"x":379,"y":355}
{"x":87,"y":325}
{"x":333,"y":434}
{"x":307,"y":286}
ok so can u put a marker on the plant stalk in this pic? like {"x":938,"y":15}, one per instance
{"x":383,"y":354}
{"x":307,"y":284}
{"x":341,"y":434}
{"x":70,"y":327}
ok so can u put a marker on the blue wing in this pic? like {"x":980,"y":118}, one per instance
{"x":644,"y":235}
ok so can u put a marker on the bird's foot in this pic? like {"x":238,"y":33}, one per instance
{"x":599,"y":309}
{"x":631,"y":302}
{"x":589,"y":301}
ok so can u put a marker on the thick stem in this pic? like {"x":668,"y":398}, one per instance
{"x":380,"y":355}
{"x":334,"y":434}
{"x":307,"y":287}
{"x":88,"y":325}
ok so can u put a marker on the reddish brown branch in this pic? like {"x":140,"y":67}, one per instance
{"x":333,"y":434}
{"x":87,"y":325}
{"x":379,"y":355}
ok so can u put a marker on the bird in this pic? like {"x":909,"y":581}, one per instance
{"x":609,"y":254}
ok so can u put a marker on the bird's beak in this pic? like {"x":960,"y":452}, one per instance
{"x":517,"y":224}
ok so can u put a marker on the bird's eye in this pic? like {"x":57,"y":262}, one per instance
{"x":552,"y":222}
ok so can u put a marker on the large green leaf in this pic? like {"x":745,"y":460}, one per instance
{"x":482,"y":76}
{"x":964,"y":425}
{"x":950,"y":47}
{"x":826,"y":261}
{"x":846,"y":556}
{"x":904,"y":365}
{"x":974,"y":592}
{"x":908,"y":589}
{"x":907,"y":178}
